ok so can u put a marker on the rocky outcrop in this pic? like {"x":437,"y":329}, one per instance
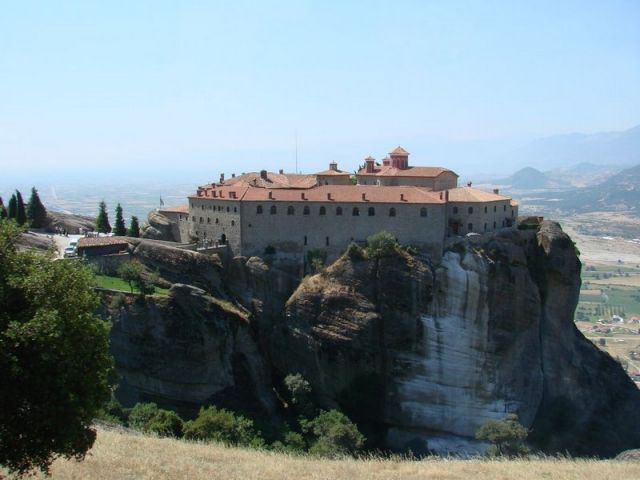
{"x":70,"y":222}
{"x":159,"y":227}
{"x":429,"y":351}
{"x":187,"y":350}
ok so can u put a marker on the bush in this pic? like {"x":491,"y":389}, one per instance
{"x":113,"y":412}
{"x":293,"y":442}
{"x":355,"y":252}
{"x":141,"y":414}
{"x":165,"y":423}
{"x":334,"y":433}
{"x":506,"y":435}
{"x":316,"y":260}
{"x":381,"y":244}
{"x":213,"y":424}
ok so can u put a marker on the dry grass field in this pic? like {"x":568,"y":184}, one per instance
{"x":123,"y":455}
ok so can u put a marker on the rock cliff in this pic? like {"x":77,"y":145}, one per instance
{"x":419,"y":351}
{"x":430,"y":352}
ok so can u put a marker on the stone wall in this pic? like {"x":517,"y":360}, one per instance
{"x":494,"y":215}
{"x":216,"y":220}
{"x":298,"y":233}
{"x":443,"y":181}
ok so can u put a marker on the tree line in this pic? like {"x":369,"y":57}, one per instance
{"x":32,"y":214}
{"x":120,"y":229}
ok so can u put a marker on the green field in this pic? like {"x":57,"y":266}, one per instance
{"x":116,"y":283}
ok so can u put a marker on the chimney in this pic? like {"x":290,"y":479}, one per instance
{"x":232,"y":194}
{"x":364,"y":197}
{"x":329,"y":196}
{"x":402,"y":197}
{"x":281,"y":171}
{"x":233,"y":175}
{"x":370,"y":161}
{"x":215,"y":194}
{"x":199,"y":192}
{"x":496,"y":191}
{"x":333,"y":166}
{"x":222,"y":178}
{"x":446,"y":195}
{"x":263,"y":174}
{"x":302,"y":196}
{"x":386,"y":161}
{"x":441,"y":195}
{"x":468,"y":184}
{"x":270,"y":195}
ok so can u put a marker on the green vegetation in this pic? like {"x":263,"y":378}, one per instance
{"x":102,"y":220}
{"x":21,"y":213}
{"x":36,"y":213}
{"x":316,"y":260}
{"x":54,"y":357}
{"x":133,"y":273}
{"x":134,"y":227}
{"x":13,"y":207}
{"x":221,"y":425}
{"x":335,"y":435}
{"x":3,"y":210}
{"x":299,"y":393}
{"x":507,"y":436}
{"x":381,"y":244}
{"x":116,"y":283}
{"x":120,"y":229}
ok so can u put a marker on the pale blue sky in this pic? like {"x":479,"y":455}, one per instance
{"x":224,"y":85}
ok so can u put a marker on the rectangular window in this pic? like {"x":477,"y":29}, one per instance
{"x":305,"y":239}
{"x":326,"y":241}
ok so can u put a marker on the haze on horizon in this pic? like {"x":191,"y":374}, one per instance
{"x":197,"y":88}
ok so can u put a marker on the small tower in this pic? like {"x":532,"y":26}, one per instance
{"x":370,"y":162}
{"x":399,"y":158}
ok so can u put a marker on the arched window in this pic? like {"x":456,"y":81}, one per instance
{"x":504,"y":208}
{"x":323,"y":211}
{"x":372,"y":211}
{"x":259,"y":209}
{"x":326,"y":241}
{"x":356,"y":212}
{"x":470,"y":210}
{"x":305,"y":210}
{"x":227,"y":209}
{"x":338,"y":211}
{"x":455,"y":209}
{"x":193,"y":218}
{"x":392,"y":212}
{"x":200,"y":219}
{"x":513,"y":213}
{"x":208,"y":220}
{"x":217,"y":221}
{"x":423,"y":212}
{"x":485,"y":227}
{"x":273,"y":210}
{"x":305,"y":239}
{"x":494,"y":208}
{"x":470,"y":227}
{"x":485,"y":209}
{"x":290,"y":210}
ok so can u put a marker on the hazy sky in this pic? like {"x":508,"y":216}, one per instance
{"x":225,"y":85}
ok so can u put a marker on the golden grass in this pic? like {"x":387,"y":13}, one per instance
{"x":122,"y":456}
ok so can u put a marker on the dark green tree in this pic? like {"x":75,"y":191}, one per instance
{"x":131,"y":272}
{"x":335,"y":435}
{"x":21,"y":215}
{"x":36,"y":213}
{"x":381,"y":244}
{"x":13,"y":207}
{"x":120,"y":229}
{"x":54,"y":357}
{"x":3,"y":210}
{"x":506,"y":435}
{"x":134,"y":227}
{"x":102,"y":222}
{"x":222,"y":426}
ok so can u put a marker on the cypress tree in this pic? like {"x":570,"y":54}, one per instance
{"x":36,"y":213}
{"x":120,"y":228}
{"x":134,"y":228}
{"x":3,"y":210}
{"x":21,"y":215}
{"x":13,"y":207}
{"x":102,"y":222}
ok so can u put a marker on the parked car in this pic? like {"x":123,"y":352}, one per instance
{"x":73,"y":243}
{"x":69,"y":252}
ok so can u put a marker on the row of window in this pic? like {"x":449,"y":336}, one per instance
{"x":218,"y":208}
{"x":371,"y":211}
{"x":470,"y":209}
{"x":193,"y":219}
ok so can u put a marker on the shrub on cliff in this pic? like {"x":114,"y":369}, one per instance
{"x":54,"y":357}
{"x":141,"y":414}
{"x":355,"y":252}
{"x":506,"y":435}
{"x":147,"y":417}
{"x":222,"y":426}
{"x":333,"y":434}
{"x":299,"y":393}
{"x":381,"y":244}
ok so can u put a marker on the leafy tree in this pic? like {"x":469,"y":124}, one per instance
{"x":131,"y":272}
{"x":36,"y":213}
{"x":102,"y":221}
{"x":300,"y":393}
{"x":506,"y":435}
{"x":292,"y":442}
{"x":120,"y":229}
{"x":381,"y":244}
{"x":21,"y":213}
{"x":141,"y":414}
{"x":134,"y":228}
{"x":165,"y":424}
{"x":334,"y":433}
{"x":222,"y":426}
{"x":54,"y":357}
{"x":3,"y":210}
{"x":13,"y":207}
{"x":316,"y":260}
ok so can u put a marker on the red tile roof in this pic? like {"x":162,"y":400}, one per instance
{"x":178,"y":209}
{"x":389,"y":171}
{"x":89,"y":242}
{"x":275,"y":180}
{"x":332,"y":172}
{"x":325,"y":193}
{"x":470,"y":194}
{"x":399,"y":151}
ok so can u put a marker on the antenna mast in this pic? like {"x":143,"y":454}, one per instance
{"x":296,"y":141}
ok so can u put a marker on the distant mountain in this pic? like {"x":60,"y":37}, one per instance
{"x":562,"y":151}
{"x":527,"y":178}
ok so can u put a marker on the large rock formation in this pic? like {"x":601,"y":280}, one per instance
{"x":419,"y":351}
{"x":430,"y":350}
{"x":160,"y":227}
